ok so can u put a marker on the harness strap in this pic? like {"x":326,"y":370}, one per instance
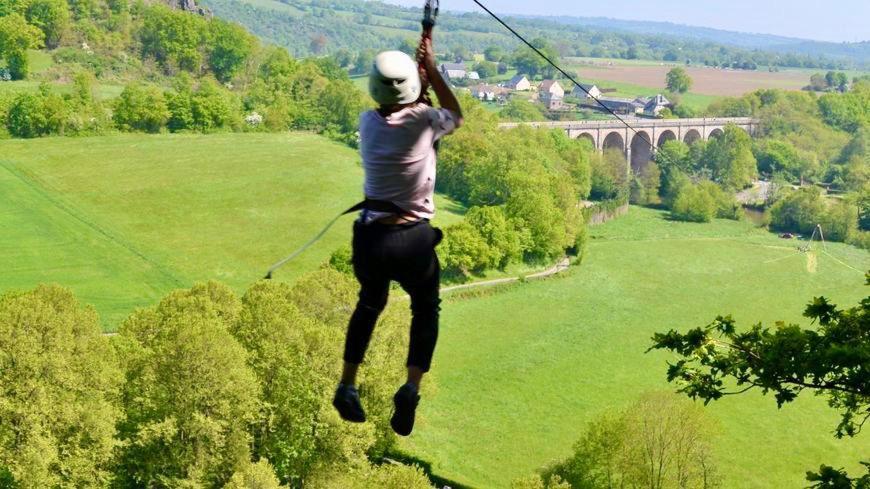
{"x":377,"y":206}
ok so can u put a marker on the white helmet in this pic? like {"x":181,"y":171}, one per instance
{"x":394,"y":79}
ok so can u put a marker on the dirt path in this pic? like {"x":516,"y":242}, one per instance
{"x":559,"y":267}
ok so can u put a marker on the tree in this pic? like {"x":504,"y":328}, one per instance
{"x":609,"y":176}
{"x":521,"y":110}
{"x":174,"y":38}
{"x":464,"y":251}
{"x":504,"y":240}
{"x":16,"y":37}
{"x":141,"y":108}
{"x":831,"y":360}
{"x":693,"y":203}
{"x":189,"y":396}
{"x":51,"y":17}
{"x":230,"y":47}
{"x":486,"y":69}
{"x":730,"y":159}
{"x":318,"y":44}
{"x":36,"y":115}
{"x":295,"y":357}
{"x":658,"y":442}
{"x":678,"y":80}
{"x":258,"y":475}
{"x":60,"y":379}
{"x":494,"y":54}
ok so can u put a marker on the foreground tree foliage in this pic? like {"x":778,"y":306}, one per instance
{"x":832,"y":361}
{"x":202,"y":390}
{"x":59,"y":386}
{"x":189,"y":397}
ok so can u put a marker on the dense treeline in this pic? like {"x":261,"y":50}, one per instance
{"x":805,"y":139}
{"x":204,"y":389}
{"x":191,"y":73}
{"x":312,"y":27}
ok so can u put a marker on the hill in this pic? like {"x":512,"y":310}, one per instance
{"x":124,"y":219}
{"x":317,"y":26}
{"x":504,"y":414}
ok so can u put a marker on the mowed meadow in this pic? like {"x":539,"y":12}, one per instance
{"x":520,"y":372}
{"x":124,"y":219}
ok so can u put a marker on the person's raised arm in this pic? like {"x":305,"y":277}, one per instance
{"x":445,"y":96}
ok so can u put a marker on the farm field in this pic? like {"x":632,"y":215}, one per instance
{"x":707,"y":81}
{"x":124,"y":219}
{"x":520,"y":372}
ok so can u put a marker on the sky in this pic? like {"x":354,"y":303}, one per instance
{"x":831,"y":20}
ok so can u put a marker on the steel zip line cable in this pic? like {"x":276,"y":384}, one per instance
{"x":565,"y":74}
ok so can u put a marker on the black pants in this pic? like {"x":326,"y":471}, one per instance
{"x":406,"y":254}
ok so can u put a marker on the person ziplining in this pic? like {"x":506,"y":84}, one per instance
{"x":392,"y":237}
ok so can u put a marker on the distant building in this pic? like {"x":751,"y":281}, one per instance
{"x":472,"y":75}
{"x":655,"y":106}
{"x":622,"y":106}
{"x":489,"y":93}
{"x":589,"y":92}
{"x":453,"y":71}
{"x":551,"y":94}
{"x":519,"y":83}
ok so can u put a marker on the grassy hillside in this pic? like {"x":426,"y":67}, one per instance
{"x":520,"y":372}
{"x":124,"y":219}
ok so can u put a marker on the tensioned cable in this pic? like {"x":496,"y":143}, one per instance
{"x":565,"y":74}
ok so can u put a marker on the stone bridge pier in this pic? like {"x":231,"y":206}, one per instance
{"x":639,"y":145}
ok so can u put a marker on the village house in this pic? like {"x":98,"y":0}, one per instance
{"x":622,"y":106}
{"x":519,"y":83}
{"x":453,"y":71}
{"x":655,"y":106}
{"x":589,"y":92}
{"x":551,"y":94}
{"x":489,"y":93}
{"x":472,"y":75}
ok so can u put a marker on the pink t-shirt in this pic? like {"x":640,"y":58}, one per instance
{"x":399,"y":157}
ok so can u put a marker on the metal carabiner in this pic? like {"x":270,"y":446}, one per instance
{"x":430,"y":13}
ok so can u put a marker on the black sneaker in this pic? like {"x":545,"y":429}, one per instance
{"x":405,"y":400}
{"x":347,"y":403}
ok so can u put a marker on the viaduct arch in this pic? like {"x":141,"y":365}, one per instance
{"x":613,"y":134}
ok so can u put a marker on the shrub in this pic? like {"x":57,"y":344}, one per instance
{"x":694,"y":203}
{"x":36,"y":115}
{"x":341,"y":260}
{"x":141,"y":108}
{"x":505,"y":241}
{"x":464,"y":251}
{"x":798,"y":211}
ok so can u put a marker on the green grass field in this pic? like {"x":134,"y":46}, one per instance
{"x":124,"y":219}
{"x":520,"y":372}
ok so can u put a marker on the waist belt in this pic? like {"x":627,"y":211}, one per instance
{"x":377,"y":206}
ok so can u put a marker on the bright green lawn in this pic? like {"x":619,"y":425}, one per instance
{"x":155,"y":212}
{"x":520,"y":372}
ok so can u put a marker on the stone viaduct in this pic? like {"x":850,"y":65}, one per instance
{"x":637,"y":145}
